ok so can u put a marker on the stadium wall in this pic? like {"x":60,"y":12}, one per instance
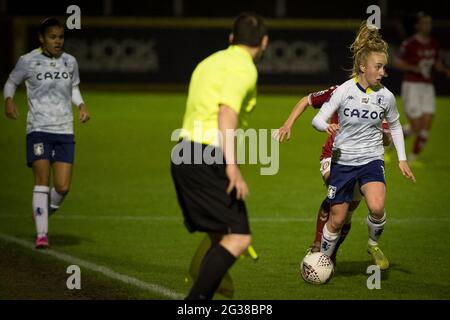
{"x":155,"y":52}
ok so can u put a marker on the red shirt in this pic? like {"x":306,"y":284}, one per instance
{"x":316,"y":100}
{"x":417,"y":53}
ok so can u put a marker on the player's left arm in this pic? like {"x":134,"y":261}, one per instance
{"x":393,"y":119}
{"x":84,"y":113}
{"x":77,"y":99}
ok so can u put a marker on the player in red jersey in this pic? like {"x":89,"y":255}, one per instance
{"x":419,"y":54}
{"x":316,"y":100}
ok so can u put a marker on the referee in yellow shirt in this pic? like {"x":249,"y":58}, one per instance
{"x":222,"y":92}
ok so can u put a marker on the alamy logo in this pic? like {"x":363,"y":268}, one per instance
{"x":74,"y":21}
{"x":374,"y":279}
{"x":253,"y":147}
{"x":331,"y":192}
{"x":74,"y":280}
{"x":374,"y":21}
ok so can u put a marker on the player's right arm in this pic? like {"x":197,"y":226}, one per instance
{"x":235,"y":88}
{"x":228,"y":122}
{"x":11,"y":109}
{"x":320,"y":121}
{"x":8,"y":94}
{"x":14,"y":80}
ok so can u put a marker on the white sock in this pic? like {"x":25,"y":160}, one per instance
{"x":329,"y":241}
{"x":376,"y":228}
{"x":40,"y":209}
{"x":55,"y":200}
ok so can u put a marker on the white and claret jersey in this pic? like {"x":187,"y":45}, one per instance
{"x":360,"y":137}
{"x":49,"y":83}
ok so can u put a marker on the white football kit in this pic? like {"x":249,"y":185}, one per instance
{"x":361,"y":112}
{"x":52,"y":86}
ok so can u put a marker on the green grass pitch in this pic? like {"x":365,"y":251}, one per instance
{"x":122,"y":213}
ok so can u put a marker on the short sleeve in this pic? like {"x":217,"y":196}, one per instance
{"x":238,"y":84}
{"x":317,"y":99}
{"x":320,"y":121}
{"x":333,"y":102}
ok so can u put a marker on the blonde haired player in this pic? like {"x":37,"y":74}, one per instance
{"x":362,"y":103}
{"x":52,"y":79}
{"x":316,"y":100}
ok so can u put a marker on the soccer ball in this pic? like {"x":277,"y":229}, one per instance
{"x":316,"y":268}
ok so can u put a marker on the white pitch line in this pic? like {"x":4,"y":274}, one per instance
{"x":154,"y":288}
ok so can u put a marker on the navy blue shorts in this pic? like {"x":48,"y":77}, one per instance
{"x":50,"y":146}
{"x":343,"y":179}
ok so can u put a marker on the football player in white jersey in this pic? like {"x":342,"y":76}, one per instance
{"x":362,"y":103}
{"x":51,"y":78}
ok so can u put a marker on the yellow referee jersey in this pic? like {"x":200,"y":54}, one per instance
{"x":226,"y":77}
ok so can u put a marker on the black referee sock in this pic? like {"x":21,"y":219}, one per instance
{"x":214,"y":266}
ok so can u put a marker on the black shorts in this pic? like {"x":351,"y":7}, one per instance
{"x":201,"y":190}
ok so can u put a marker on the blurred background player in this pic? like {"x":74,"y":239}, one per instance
{"x":316,"y":100}
{"x":362,"y":103}
{"x":222,"y":92}
{"x":52,"y":79}
{"x":418,"y":55}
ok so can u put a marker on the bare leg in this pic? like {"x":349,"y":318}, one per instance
{"x":62,"y":177}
